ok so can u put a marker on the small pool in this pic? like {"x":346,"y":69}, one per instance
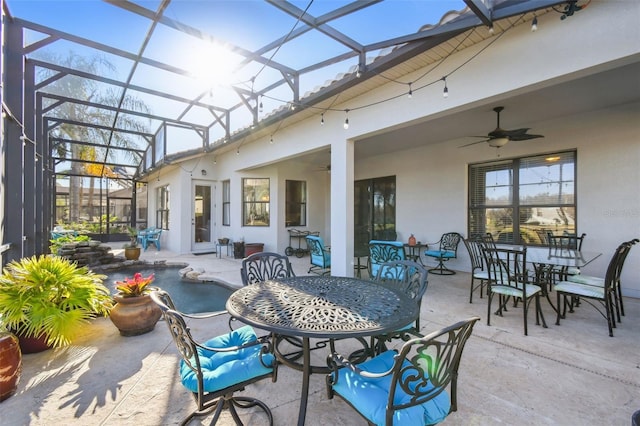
{"x":189,"y":296}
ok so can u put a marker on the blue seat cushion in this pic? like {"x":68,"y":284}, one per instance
{"x":223,"y":369}
{"x":445,"y":254}
{"x":370,"y":396}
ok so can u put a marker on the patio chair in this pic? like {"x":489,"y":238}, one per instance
{"x":417,"y":385}
{"x":319,"y":255}
{"x":447,"y":249}
{"x":142,"y":236}
{"x":599,"y":282}
{"x":215,"y":370}
{"x":559,"y":243}
{"x":411,"y":278}
{"x":604,"y":292}
{"x":264,"y":266}
{"x":152,"y":237}
{"x":381,"y":251}
{"x":478,"y":271}
{"x":509,"y":278}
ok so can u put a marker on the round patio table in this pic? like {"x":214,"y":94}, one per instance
{"x":325,"y":307}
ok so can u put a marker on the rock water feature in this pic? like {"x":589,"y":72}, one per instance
{"x":88,"y":253}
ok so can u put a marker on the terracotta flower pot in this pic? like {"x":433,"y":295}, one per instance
{"x":135,"y":315}
{"x":10,"y":364}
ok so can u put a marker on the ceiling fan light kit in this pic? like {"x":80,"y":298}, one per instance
{"x":498,"y":142}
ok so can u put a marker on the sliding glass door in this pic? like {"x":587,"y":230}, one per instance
{"x":375,"y":211}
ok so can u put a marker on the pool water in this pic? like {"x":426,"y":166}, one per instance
{"x":189,"y":297}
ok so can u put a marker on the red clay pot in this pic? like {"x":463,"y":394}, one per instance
{"x":10,"y":364}
{"x":135,"y":315}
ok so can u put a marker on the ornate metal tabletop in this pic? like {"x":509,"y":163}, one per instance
{"x":323,"y":306}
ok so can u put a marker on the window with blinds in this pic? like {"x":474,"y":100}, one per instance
{"x":226,"y":203}
{"x":521,"y":200}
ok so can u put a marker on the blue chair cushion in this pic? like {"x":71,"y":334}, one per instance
{"x":445,"y":254}
{"x":223,"y":369}
{"x":369,"y":396}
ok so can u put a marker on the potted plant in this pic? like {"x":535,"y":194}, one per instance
{"x":131,"y":249}
{"x":44,"y":300}
{"x":135,"y":312}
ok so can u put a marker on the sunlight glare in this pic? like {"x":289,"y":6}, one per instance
{"x":212,"y":64}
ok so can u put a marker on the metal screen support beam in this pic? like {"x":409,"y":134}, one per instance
{"x":43,"y":146}
{"x":31,"y":205}
{"x":12,"y":154}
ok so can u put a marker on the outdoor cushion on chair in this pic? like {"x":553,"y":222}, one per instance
{"x":223,"y":369}
{"x":215,"y":370}
{"x":415,"y":386}
{"x":369,"y":395}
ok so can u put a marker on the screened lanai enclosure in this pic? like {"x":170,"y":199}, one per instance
{"x":99,"y":97}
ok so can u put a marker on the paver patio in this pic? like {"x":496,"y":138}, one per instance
{"x":563,"y":375}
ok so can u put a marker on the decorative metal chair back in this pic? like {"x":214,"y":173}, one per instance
{"x":383,"y":251}
{"x":320,"y":257}
{"x":474,"y":247}
{"x":557,"y":243}
{"x":180,"y":332}
{"x":450,"y":241}
{"x":407,"y":275}
{"x":506,"y":267}
{"x":418,"y":385}
{"x":264,"y":266}
{"x":563,"y":245}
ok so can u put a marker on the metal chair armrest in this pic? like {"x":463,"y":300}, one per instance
{"x":203,"y":316}
{"x":335,"y":361}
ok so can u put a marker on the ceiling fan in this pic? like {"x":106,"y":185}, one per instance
{"x":499,"y":137}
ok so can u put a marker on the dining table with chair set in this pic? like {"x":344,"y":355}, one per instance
{"x":501,"y":269}
{"x":316,"y":312}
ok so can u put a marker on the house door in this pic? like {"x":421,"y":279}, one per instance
{"x":375,"y":211}
{"x":202,"y":217}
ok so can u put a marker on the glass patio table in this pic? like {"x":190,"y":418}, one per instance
{"x":545,"y":259}
{"x":324,"y":307}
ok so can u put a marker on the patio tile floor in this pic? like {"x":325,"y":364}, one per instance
{"x":562,"y":375}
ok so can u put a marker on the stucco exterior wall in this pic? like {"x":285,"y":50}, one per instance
{"x":432,"y":180}
{"x":432,"y":184}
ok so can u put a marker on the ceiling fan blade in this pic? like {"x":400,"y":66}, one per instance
{"x":516,"y":132}
{"x":474,"y":143}
{"x":524,"y":137}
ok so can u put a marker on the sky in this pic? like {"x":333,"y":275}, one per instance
{"x":248,"y":25}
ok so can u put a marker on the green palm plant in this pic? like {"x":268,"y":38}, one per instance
{"x":51,"y":297}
